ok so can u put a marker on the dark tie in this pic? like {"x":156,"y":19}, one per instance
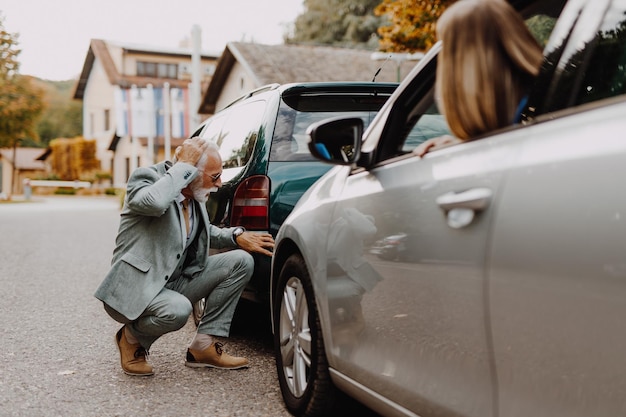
{"x":185,"y":204}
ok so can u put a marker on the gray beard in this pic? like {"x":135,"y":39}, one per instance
{"x":201,"y":195}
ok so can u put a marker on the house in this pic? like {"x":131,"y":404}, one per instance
{"x":136,"y":100}
{"x":24,"y":163}
{"x":243,"y":67}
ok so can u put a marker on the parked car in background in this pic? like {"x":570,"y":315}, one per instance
{"x":267,"y":163}
{"x":391,"y":247}
{"x":513,"y":298}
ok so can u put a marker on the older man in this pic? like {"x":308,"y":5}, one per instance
{"x":161,"y":263}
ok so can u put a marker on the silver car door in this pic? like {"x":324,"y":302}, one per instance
{"x":557,"y":280}
{"x":413,"y":324}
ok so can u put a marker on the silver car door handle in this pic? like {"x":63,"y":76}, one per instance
{"x":474,"y":199}
{"x":460,"y":208}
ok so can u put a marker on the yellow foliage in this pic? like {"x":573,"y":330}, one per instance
{"x":413,"y":24}
{"x":75,"y":158}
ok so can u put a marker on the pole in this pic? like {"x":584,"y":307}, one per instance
{"x":135,"y":121}
{"x":194,"y":99}
{"x":151,"y":125}
{"x":167,"y":121}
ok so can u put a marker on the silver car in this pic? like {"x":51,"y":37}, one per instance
{"x":511,"y":297}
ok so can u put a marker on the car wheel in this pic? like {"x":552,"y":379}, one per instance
{"x":299,"y":346}
{"x":198,"y":310}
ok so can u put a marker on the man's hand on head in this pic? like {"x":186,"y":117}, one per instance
{"x":191,"y":150}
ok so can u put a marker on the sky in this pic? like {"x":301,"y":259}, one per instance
{"x":54,"y":35}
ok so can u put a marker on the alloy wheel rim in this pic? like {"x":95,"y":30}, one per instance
{"x":295,"y":337}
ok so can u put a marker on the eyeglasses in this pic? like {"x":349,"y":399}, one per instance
{"x":215,"y":177}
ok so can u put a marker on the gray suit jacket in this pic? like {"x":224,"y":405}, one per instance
{"x":150,"y":243}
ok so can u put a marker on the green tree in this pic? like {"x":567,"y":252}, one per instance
{"x":541,"y":27}
{"x":349,"y":23}
{"x":411,"y":25}
{"x":62,"y":116}
{"x":20,"y":102}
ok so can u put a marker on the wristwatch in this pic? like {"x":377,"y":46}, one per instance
{"x":236,"y":233}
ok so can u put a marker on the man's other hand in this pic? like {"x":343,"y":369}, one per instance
{"x":256,"y":242}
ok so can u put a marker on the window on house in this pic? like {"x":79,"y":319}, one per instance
{"x":91,"y":124}
{"x":151,"y":69}
{"x":157,"y":69}
{"x":107,"y":119}
{"x":172,"y":70}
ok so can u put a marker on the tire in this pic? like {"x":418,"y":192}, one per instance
{"x":198,"y":310}
{"x":301,"y":362}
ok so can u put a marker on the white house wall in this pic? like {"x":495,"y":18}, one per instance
{"x":117,"y":55}
{"x":238,"y":83}
{"x":7,"y":175}
{"x":98,"y":97}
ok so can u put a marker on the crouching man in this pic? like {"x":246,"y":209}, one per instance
{"x":161,"y":263}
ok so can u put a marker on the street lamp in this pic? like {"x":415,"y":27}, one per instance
{"x":398,"y":57}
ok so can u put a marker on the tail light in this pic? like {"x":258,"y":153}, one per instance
{"x":251,"y":203}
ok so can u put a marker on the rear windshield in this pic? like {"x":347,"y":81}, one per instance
{"x":297,"y":113}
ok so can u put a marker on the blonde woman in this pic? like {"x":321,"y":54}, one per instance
{"x":488,"y":62}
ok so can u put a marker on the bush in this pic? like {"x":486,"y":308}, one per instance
{"x":65,"y":191}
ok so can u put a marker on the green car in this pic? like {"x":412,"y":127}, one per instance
{"x":264,"y":148}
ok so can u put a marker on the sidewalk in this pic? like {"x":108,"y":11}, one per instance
{"x":62,"y":202}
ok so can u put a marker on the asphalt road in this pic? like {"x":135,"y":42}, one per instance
{"x":57,"y":350}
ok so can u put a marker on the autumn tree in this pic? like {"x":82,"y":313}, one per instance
{"x":20,"y":102}
{"x":411,"y":25}
{"x":348,"y":23}
{"x":73,"y":158}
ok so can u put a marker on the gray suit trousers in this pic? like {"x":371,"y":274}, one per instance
{"x":221,"y":284}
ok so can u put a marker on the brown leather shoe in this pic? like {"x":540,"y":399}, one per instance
{"x":214,"y":357}
{"x":132,"y":356}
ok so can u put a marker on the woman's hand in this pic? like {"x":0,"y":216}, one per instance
{"x":256,"y":242}
{"x":434,"y":143}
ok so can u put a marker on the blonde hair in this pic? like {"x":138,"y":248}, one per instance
{"x":487,"y":63}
